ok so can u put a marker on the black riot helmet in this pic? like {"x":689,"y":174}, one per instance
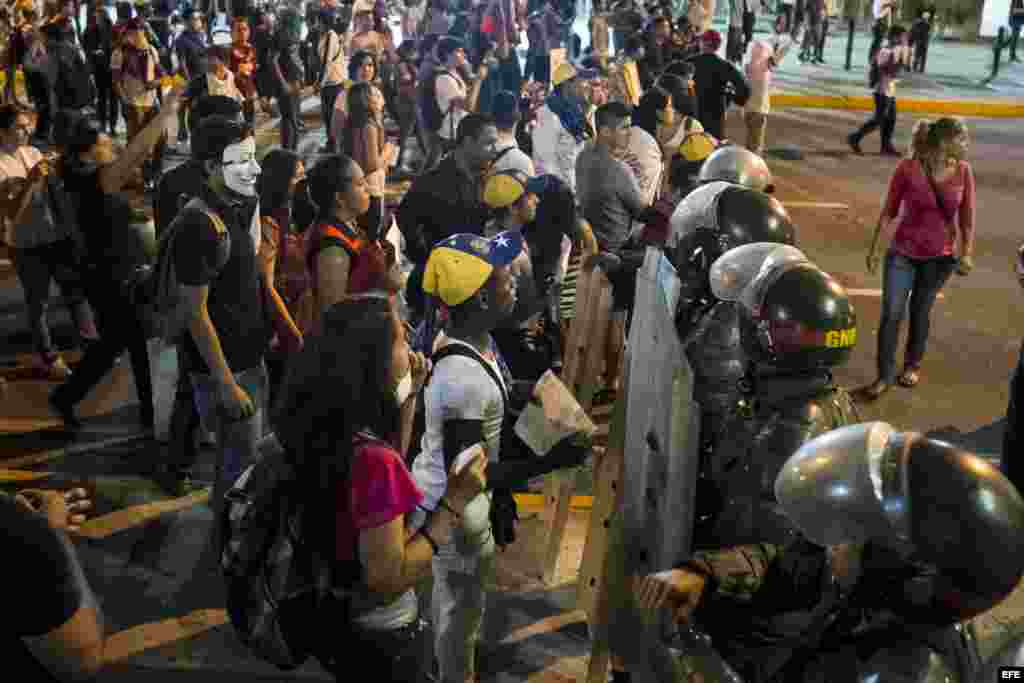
{"x":798,"y":317}
{"x":720,"y":216}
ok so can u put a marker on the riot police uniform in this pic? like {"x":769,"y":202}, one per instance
{"x":710,"y":221}
{"x":796,"y":323}
{"x":901,"y":538}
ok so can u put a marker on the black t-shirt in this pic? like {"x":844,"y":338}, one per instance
{"x":710,"y":79}
{"x":42,"y":591}
{"x":104,"y":220}
{"x":176,"y":187}
{"x":236,"y":301}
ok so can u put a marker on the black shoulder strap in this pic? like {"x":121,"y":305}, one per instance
{"x":499,"y":155}
{"x":463,"y":350}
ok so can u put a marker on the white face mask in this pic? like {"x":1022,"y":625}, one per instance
{"x":404,"y":388}
{"x":240,"y":168}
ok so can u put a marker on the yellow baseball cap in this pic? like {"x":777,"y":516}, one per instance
{"x":459,"y":265}
{"x":504,"y":188}
{"x":567,"y":72}
{"x":697,"y":146}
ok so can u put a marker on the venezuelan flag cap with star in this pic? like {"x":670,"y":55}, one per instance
{"x":459,"y":265}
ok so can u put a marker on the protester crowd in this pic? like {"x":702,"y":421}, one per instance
{"x":388,"y":347}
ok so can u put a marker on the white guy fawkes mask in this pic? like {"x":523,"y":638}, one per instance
{"x":241,"y":171}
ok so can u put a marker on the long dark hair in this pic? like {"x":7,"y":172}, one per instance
{"x":646,"y":115}
{"x":275,"y":180}
{"x":356,"y":63}
{"x":325,"y":180}
{"x":359,"y":115}
{"x":338,"y":385}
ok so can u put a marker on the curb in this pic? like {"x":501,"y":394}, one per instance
{"x":917,"y":106}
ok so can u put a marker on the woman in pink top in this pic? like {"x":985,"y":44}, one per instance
{"x":345,"y":417}
{"x":930,"y":210}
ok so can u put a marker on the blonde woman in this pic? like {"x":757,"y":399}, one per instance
{"x":929,"y":212}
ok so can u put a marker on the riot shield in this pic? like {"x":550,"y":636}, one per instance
{"x":659,"y":470}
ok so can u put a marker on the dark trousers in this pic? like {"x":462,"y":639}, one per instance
{"x":1016,"y":25}
{"x":120,"y":330}
{"x":1012,"y":460}
{"x":734,"y":44}
{"x":289,"y":106}
{"x":40,"y":92}
{"x":884,"y":119}
{"x":108,"y":105}
{"x":328,"y":94}
{"x":920,"y":55}
{"x":398,"y":655}
{"x":821,"y":40}
{"x":182,"y":451}
{"x":37,"y":267}
{"x":539,"y":67}
{"x":749,"y":21}
{"x":920,"y":281}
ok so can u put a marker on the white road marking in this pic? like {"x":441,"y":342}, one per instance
{"x":875,"y":293}
{"x":815,"y":205}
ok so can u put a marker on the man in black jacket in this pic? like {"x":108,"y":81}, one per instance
{"x":713,"y":76}
{"x":448,"y":199}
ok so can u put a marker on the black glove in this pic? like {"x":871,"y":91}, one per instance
{"x":566,"y":454}
{"x":503,"y":517}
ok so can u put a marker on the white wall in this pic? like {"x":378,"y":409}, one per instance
{"x":994,"y":15}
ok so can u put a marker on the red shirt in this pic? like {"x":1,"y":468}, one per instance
{"x":920,"y":223}
{"x":381,"y":489}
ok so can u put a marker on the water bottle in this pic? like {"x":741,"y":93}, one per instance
{"x":697,"y":661}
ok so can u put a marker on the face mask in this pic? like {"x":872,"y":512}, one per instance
{"x":240,"y":168}
{"x":404,"y":389}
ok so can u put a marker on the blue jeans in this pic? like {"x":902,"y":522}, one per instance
{"x":238,"y":440}
{"x":920,"y":281}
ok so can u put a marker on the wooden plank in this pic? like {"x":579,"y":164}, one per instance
{"x":589,"y":343}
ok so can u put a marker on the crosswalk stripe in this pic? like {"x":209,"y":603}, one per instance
{"x":119,"y":520}
{"x":131,"y":641}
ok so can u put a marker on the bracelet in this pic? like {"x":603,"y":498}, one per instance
{"x":447,"y":506}
{"x":429,"y":539}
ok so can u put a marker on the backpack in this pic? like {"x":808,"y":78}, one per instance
{"x":155,"y":290}
{"x":426,"y":96}
{"x":75,"y":88}
{"x":277,"y":587}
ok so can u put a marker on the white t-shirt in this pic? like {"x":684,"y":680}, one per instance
{"x":448,"y":87}
{"x":459,"y":389}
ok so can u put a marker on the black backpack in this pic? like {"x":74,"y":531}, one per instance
{"x":426,"y":99}
{"x":75,"y":88}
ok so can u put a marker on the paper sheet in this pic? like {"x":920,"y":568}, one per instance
{"x":558,"y":416}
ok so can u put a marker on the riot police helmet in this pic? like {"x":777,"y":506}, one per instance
{"x":797,"y":317}
{"x":720,"y":216}
{"x":738,"y":165}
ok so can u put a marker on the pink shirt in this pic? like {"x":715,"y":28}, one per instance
{"x":380,"y":490}
{"x":920,"y":223}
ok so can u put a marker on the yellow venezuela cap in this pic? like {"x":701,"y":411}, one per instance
{"x":459,"y":265}
{"x":504,"y":188}
{"x":697,"y":146}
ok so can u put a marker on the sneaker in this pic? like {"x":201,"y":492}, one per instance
{"x":854,"y":144}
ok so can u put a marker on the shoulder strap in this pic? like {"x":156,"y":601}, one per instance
{"x":467,"y":352}
{"x":938,"y":196}
{"x":349,"y":241}
{"x":502,"y":153}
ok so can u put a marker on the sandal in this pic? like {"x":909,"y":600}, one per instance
{"x":910,"y":378}
{"x":874,"y":391}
